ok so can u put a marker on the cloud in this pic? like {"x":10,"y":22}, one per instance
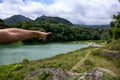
{"x":47,"y":2}
{"x":77,"y":11}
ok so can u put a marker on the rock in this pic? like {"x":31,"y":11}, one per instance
{"x":81,"y":78}
{"x":95,"y":74}
{"x":52,"y":73}
{"x":60,"y":74}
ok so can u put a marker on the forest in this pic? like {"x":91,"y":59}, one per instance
{"x":62,"y":29}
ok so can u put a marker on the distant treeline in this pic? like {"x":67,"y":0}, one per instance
{"x":61,"y":30}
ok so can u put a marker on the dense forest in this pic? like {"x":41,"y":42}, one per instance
{"x":62,"y":29}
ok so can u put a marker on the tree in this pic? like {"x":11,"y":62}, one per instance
{"x":1,"y":22}
{"x":115,"y":26}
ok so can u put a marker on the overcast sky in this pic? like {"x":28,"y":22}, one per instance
{"x":77,"y":11}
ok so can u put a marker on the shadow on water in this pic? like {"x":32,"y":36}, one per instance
{"x":10,"y":45}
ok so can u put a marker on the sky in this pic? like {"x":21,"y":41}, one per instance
{"x":88,"y":12}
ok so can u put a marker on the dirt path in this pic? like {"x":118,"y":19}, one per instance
{"x":81,"y":61}
{"x":108,"y":71}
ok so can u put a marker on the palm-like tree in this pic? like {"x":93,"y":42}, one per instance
{"x":115,"y":26}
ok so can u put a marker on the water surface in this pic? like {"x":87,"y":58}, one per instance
{"x":12,"y":54}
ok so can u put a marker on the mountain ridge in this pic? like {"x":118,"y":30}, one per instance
{"x":39,"y":20}
{"x":48,"y":19}
{"x":16,"y":18}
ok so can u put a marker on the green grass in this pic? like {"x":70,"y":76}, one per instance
{"x":107,"y":76}
{"x":84,"y":59}
{"x":64,"y":61}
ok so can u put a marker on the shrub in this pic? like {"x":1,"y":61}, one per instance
{"x":114,"y":45}
{"x":96,"y":53}
{"x":88,"y":64}
{"x":17,"y":67}
{"x":25,"y":61}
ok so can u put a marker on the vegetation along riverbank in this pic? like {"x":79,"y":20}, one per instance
{"x":75,"y":62}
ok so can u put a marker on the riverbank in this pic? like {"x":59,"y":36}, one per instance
{"x":63,"y":61}
{"x":79,"y":61}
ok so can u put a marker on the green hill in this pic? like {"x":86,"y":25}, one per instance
{"x":16,"y":18}
{"x":40,"y":20}
{"x":55,"y":20}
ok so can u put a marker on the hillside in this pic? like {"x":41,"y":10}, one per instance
{"x":82,"y":63}
{"x":39,"y":20}
{"x":48,"y":19}
{"x":16,"y":18}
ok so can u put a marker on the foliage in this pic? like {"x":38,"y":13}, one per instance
{"x":52,"y":20}
{"x":115,"y":26}
{"x":88,"y":62}
{"x":25,"y":61}
{"x":17,"y":67}
{"x":45,"y":76}
{"x":62,"y":29}
{"x":114,"y":45}
{"x":2,"y":24}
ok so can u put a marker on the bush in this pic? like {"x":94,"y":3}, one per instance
{"x":17,"y":67}
{"x":114,"y":45}
{"x":96,"y":52}
{"x":25,"y":61}
{"x":88,"y":64}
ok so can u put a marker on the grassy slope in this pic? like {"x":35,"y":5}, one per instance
{"x":78,"y":61}
{"x":65,"y":61}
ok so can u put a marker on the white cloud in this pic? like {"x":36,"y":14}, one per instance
{"x":77,"y":11}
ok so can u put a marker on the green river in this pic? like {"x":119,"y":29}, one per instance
{"x":13,"y":54}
